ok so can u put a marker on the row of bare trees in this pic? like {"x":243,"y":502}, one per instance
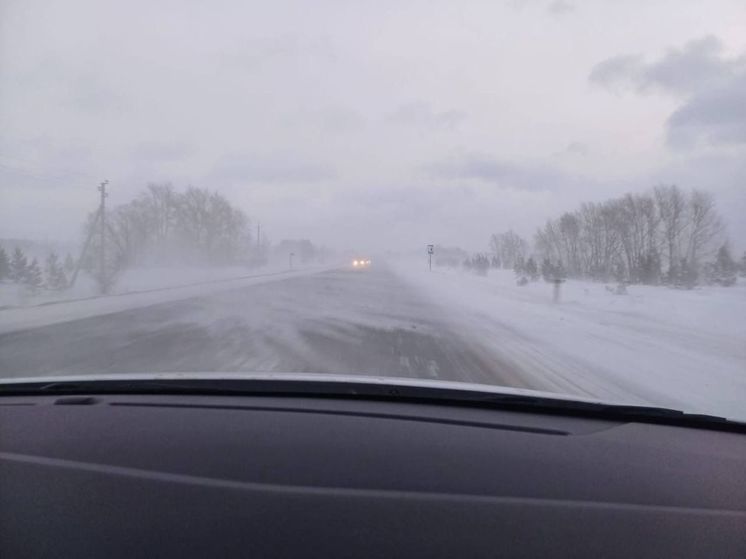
{"x":507,"y":249}
{"x":663,"y":235}
{"x":164,"y":225}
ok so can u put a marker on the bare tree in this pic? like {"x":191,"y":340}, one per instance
{"x":162,"y":199}
{"x":162,"y":224}
{"x":508,"y":247}
{"x":547,"y":242}
{"x":705,"y":228}
{"x":209,"y":224}
{"x":628,"y":237}
{"x":569,"y":230}
{"x":672,"y":209}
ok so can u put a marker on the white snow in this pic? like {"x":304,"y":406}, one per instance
{"x":136,"y":279}
{"x":654,"y":346}
{"x":659,"y":346}
{"x":140,"y":288}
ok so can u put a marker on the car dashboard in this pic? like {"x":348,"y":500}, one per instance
{"x":116,"y":475}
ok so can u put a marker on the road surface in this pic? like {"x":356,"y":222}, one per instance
{"x":336,"y":321}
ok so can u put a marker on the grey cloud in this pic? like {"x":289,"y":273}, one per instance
{"x":560,"y":8}
{"x":617,"y":72}
{"x":717,"y":116}
{"x":420,"y":115}
{"x":275,"y":168}
{"x":713,"y":86}
{"x":697,"y":66}
{"x":503,"y":174}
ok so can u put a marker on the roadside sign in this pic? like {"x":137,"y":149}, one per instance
{"x":430,"y":249}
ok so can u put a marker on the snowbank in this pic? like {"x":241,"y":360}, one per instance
{"x":140,"y":288}
{"x":134,"y":280}
{"x":684,"y":349}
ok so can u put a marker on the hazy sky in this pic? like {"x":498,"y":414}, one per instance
{"x":370,"y":123}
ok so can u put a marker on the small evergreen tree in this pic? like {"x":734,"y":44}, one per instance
{"x":33,"y":276}
{"x":560,"y":272}
{"x":620,"y":271}
{"x":709,"y":273}
{"x":650,"y":268}
{"x":519,"y":267}
{"x":62,"y":281}
{"x":4,"y":264}
{"x":687,"y":274}
{"x":743,"y":264}
{"x":481,"y":264}
{"x":532,"y":270}
{"x":18,"y":266}
{"x":69,"y":264}
{"x":724,"y":267}
{"x":547,"y":270}
{"x":53,"y":272}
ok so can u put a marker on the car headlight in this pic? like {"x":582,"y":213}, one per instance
{"x":354,"y":262}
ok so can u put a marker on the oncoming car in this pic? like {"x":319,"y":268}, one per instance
{"x":361,"y":263}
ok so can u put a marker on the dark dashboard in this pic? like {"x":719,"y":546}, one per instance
{"x":117,"y":475}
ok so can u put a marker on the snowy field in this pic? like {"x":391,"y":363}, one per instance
{"x":683,"y":349}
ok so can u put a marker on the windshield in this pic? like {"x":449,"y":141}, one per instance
{"x":545,"y":195}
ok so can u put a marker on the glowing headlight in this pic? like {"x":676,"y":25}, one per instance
{"x":354,"y":262}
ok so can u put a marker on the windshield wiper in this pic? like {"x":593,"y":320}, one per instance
{"x":411,"y":392}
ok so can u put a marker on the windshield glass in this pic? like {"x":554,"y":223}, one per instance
{"x":545,"y":195}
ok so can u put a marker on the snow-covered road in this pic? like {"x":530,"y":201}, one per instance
{"x":653,"y":346}
{"x":326,"y":321}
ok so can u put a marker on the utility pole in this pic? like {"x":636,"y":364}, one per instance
{"x":83,"y":252}
{"x":102,"y":251}
{"x":258,"y":234}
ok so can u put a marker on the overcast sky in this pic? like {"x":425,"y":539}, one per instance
{"x":370,"y":123}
